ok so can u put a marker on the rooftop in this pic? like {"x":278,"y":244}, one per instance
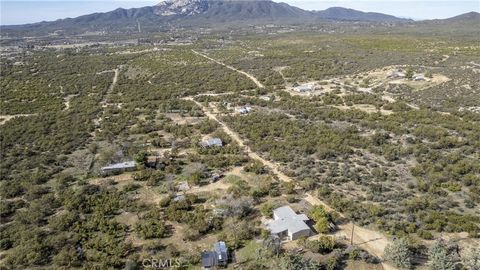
{"x":208,"y":258}
{"x":212,"y":142}
{"x":287,"y":219}
{"x":121,"y":165}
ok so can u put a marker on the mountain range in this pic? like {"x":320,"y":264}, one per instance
{"x":208,"y":13}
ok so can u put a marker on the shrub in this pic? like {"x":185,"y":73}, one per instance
{"x":399,"y":253}
{"x":150,"y":228}
{"x":425,"y":234}
{"x":441,"y":257}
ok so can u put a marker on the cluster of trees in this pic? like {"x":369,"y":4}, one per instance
{"x":151,"y":225}
{"x":82,"y":234}
{"x":283,"y":139}
{"x":322,"y":219}
{"x":200,"y":220}
{"x":441,"y":255}
{"x":324,"y":244}
{"x":150,"y":176}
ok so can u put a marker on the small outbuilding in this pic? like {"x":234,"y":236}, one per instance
{"x":221,"y":251}
{"x":217,"y":257}
{"x":119,"y":167}
{"x":208,"y":260}
{"x":419,"y":78}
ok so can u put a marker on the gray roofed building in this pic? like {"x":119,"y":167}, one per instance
{"x":287,"y":223}
{"x":419,"y":78}
{"x":304,"y":88}
{"x":217,"y":257}
{"x":222,"y":253}
{"x":208,"y":259}
{"x":212,"y":142}
{"x":179,"y":198}
{"x":396,"y":75}
{"x":120,"y":167}
{"x":244,"y":110}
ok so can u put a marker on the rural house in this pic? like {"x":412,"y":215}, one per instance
{"x":244,"y":110}
{"x":212,"y":142}
{"x":304,"y":88}
{"x":287,"y":223}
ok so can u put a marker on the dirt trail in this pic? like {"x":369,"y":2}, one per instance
{"x":372,"y":241}
{"x":240,"y":142}
{"x":103,"y":103}
{"x":112,"y":86}
{"x":5,"y":117}
{"x":258,"y":83}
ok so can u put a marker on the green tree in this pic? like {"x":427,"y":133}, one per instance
{"x":150,"y":228}
{"x":409,"y":73}
{"x":441,"y":258}
{"x":399,"y":253}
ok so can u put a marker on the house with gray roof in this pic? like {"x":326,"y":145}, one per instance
{"x":307,"y":87}
{"x":212,"y":142}
{"x":287,"y":223}
{"x":245,"y":110}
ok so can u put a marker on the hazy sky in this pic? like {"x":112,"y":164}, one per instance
{"x":22,"y":11}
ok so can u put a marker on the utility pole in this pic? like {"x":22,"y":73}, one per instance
{"x":351,"y":238}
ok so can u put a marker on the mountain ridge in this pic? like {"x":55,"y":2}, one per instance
{"x":209,"y":13}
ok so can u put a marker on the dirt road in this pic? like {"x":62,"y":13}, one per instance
{"x":258,"y":83}
{"x":104,"y":103}
{"x":240,"y":142}
{"x":112,"y":86}
{"x":4,"y":117}
{"x":372,"y":241}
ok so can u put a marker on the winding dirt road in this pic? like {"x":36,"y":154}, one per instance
{"x":257,"y":82}
{"x":104,"y":102}
{"x":240,"y":142}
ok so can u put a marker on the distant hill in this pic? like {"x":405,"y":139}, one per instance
{"x":470,"y":17}
{"x":346,"y":14}
{"x":195,"y":13}
{"x":467,"y":25}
